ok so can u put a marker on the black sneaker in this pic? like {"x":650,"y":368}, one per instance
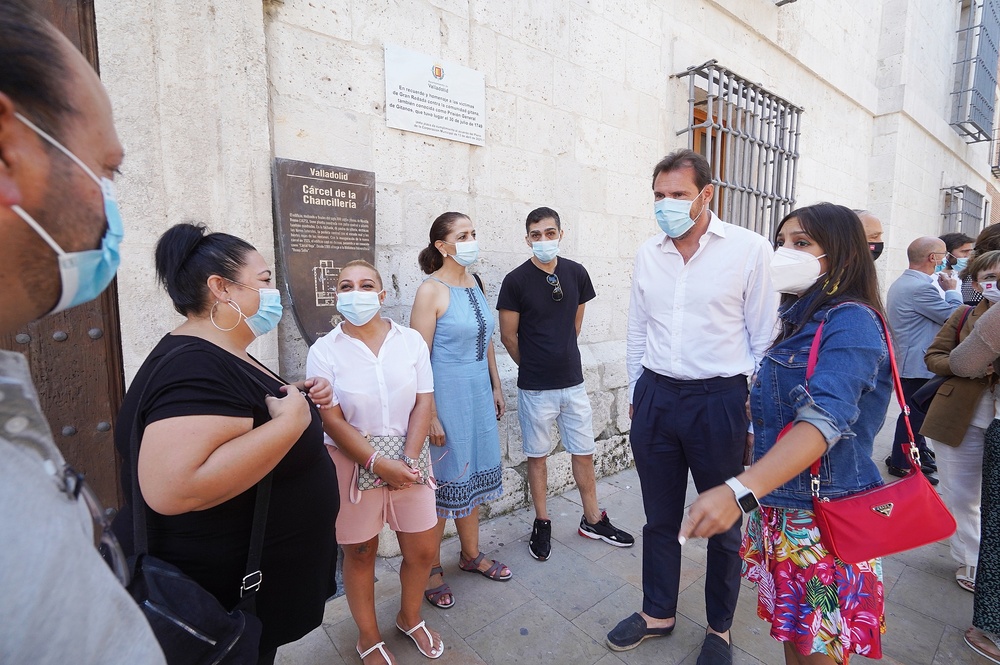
{"x":540,"y":544}
{"x":606,"y":531}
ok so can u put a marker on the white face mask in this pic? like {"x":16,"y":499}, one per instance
{"x":794,"y":271}
{"x":990,"y":291}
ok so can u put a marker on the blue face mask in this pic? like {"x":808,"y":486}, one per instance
{"x":545,"y":250}
{"x":466,"y":253}
{"x":674,"y":215}
{"x":961,"y":263}
{"x":358,"y":307}
{"x":83,"y":274}
{"x":268,"y":313}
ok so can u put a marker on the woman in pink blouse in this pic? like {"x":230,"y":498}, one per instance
{"x":383,"y":386}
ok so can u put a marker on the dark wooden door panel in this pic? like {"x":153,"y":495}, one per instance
{"x":75,"y":356}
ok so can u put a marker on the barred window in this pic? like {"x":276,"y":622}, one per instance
{"x":751,"y":139}
{"x":963,"y":210}
{"x":976,"y":70}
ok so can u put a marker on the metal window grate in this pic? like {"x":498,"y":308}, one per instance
{"x":963,"y":210}
{"x":976,"y":70}
{"x":751,"y":138}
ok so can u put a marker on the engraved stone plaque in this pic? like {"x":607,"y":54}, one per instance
{"x":325,"y":217}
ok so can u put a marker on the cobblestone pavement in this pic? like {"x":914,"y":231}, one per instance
{"x":559,"y":611}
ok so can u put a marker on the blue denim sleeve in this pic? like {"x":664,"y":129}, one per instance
{"x":851,"y":353}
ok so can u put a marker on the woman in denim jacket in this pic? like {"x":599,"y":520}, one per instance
{"x":820,"y":607}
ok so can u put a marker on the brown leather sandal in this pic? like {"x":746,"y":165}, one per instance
{"x":493,"y":572}
{"x":433,"y":596}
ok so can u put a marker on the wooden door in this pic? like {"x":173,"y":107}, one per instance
{"x":75,"y":356}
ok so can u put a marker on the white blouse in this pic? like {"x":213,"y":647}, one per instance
{"x":376,"y":393}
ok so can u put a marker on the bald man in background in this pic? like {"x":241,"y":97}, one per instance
{"x":916,"y":312}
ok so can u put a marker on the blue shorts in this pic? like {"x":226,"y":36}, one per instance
{"x":568,"y":407}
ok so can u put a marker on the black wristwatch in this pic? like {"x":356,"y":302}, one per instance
{"x":410,"y":462}
{"x":744,"y":497}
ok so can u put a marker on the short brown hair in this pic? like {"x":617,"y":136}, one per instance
{"x":364,"y":264}
{"x":683,"y":159}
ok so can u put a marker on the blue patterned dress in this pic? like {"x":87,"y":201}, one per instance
{"x":467,"y":468}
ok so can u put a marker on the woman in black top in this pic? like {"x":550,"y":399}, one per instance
{"x":209,"y":432}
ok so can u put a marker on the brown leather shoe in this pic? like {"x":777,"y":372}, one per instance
{"x":985,"y":644}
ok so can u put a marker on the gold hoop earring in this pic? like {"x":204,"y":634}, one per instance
{"x":833,"y":290}
{"x":236,"y":306}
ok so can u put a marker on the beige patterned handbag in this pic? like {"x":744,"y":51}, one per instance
{"x":391,"y":447}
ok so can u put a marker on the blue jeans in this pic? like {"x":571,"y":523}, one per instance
{"x":676,"y":426}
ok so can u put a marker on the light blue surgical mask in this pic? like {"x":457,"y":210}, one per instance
{"x":961,"y":263}
{"x":359,"y":307}
{"x":466,"y":253}
{"x":674,"y":215}
{"x":268,"y":313}
{"x":545,"y":250}
{"x":84,"y":274}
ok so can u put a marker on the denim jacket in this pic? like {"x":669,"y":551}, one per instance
{"x":846,"y":399}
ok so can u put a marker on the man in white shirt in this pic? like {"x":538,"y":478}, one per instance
{"x":701,"y":315}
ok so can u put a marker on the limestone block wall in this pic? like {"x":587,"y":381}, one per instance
{"x":188,"y":85}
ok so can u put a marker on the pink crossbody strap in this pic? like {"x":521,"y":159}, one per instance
{"x":897,"y":385}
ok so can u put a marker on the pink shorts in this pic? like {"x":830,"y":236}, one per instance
{"x":412,"y":510}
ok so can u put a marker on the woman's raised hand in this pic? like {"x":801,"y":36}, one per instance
{"x":293,"y":407}
{"x":320,"y":391}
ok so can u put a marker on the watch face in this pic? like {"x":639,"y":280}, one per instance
{"x":748,"y":502}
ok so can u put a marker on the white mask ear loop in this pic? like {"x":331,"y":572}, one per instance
{"x":59,"y":146}
{"x":38,"y":229}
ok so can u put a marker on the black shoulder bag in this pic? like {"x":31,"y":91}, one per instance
{"x":191,"y":625}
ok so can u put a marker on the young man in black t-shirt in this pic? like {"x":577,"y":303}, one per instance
{"x":541,"y":307}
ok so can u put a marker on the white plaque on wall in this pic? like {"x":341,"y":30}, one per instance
{"x":434,"y":97}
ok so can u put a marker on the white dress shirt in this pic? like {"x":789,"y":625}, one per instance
{"x":713,"y":316}
{"x":376,"y":393}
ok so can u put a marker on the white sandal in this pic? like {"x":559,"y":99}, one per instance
{"x":436,"y":650}
{"x":966,"y":578}
{"x":381,"y":649}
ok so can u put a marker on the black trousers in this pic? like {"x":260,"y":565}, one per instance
{"x":676,"y":426}
{"x":898,"y":460}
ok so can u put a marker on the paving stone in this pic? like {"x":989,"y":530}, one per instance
{"x":532,"y":634}
{"x":316,"y":648}
{"x":569,"y":603}
{"x":911,"y":637}
{"x":571,"y":584}
{"x":952,"y":650}
{"x":932,"y":596}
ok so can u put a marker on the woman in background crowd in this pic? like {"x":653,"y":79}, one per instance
{"x":209,"y":433}
{"x":823,"y":266}
{"x":976,"y":357}
{"x":988,"y":240}
{"x":451,"y":312}
{"x":957,"y":418}
{"x":383,"y":387}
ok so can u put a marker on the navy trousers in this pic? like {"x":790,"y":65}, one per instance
{"x":677,"y":426}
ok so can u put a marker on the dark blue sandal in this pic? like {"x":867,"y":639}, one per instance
{"x":631,"y":631}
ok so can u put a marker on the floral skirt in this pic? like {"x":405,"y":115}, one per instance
{"x":812,"y":599}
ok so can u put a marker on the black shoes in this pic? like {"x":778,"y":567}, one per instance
{"x":925,"y":467}
{"x":540,"y":544}
{"x":606,"y":531}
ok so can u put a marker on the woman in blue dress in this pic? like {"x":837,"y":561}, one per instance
{"x":451,"y":312}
